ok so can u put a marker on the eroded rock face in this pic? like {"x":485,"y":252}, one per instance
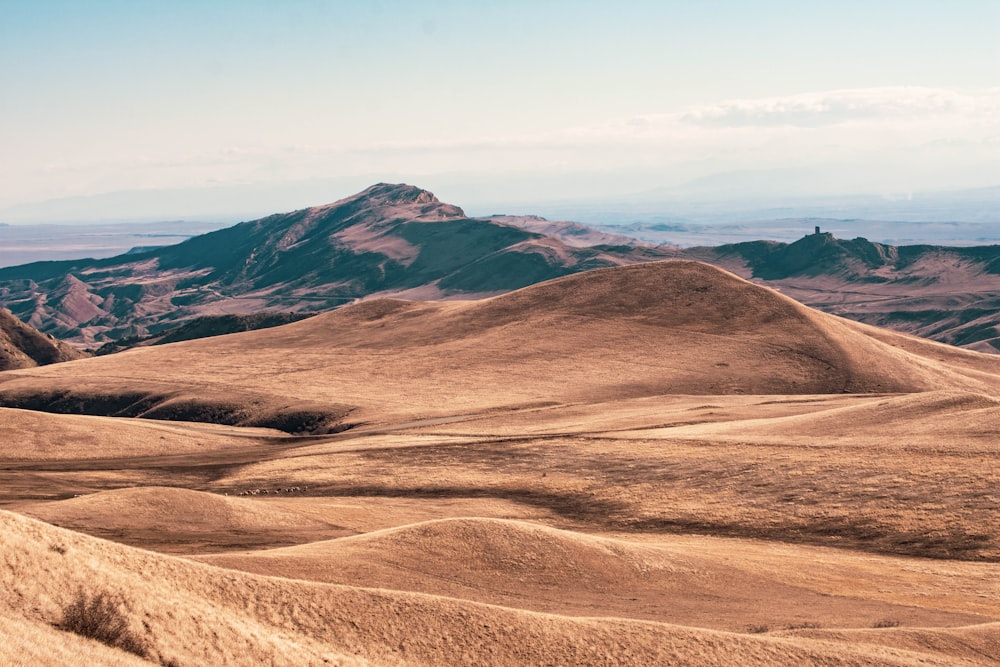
{"x":21,"y":346}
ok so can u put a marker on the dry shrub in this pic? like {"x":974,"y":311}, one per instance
{"x":804,"y":625}
{"x":887,"y":623}
{"x":100,"y":617}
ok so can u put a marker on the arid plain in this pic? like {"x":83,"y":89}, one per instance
{"x":649,"y":464}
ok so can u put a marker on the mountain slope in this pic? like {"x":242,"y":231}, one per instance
{"x":22,"y":346}
{"x":858,"y":259}
{"x":672,"y":327}
{"x":943,"y":293}
{"x":204,"y":327}
{"x":190,"y":613}
{"x":399,"y":240}
{"x":389,"y":238}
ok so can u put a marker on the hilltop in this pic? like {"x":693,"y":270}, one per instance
{"x":672,"y":327}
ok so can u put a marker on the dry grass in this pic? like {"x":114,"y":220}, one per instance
{"x":26,"y":640}
{"x":46,"y":437}
{"x":653,"y":329}
{"x":527,"y":566}
{"x":197,"y":614}
{"x":890,"y":494}
{"x":99,"y":616}
{"x":623,"y":467}
{"x":198,"y":521}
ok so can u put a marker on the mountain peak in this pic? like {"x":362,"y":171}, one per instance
{"x":419,"y":204}
{"x":397,"y":194}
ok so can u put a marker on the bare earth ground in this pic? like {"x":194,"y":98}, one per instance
{"x":520,"y":487}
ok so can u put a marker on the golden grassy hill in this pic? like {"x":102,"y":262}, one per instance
{"x":41,"y":437}
{"x":176,"y":519}
{"x":530,"y":566}
{"x":188,"y":613}
{"x":928,"y":419}
{"x":658,"y":464}
{"x":652,"y":329}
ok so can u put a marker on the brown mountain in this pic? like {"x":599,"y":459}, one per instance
{"x":399,"y":240}
{"x":22,"y":346}
{"x":389,"y":239}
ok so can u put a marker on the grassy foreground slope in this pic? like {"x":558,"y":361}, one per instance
{"x":190,"y":613}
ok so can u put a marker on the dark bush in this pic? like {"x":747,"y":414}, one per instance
{"x":100,"y":617}
{"x":803,"y":625}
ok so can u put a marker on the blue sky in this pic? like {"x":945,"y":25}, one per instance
{"x":493,"y":100}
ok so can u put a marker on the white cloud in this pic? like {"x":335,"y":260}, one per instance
{"x":844,"y":106}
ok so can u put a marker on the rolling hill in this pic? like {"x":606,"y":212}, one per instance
{"x":190,"y":613}
{"x":673,"y":327}
{"x":658,"y":463}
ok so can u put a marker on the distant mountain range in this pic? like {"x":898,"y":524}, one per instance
{"x":387,"y":240}
{"x":399,"y":240}
{"x":891,"y":232}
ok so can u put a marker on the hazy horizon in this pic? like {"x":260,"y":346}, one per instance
{"x":250,"y":107}
{"x":236,"y":203}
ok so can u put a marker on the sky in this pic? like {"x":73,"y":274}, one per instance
{"x":157,"y":108}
